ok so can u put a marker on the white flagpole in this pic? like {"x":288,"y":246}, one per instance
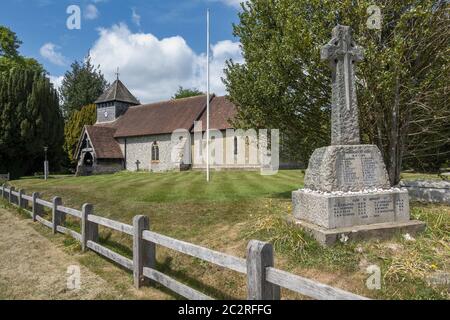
{"x":207,"y":96}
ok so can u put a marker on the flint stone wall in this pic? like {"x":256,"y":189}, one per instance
{"x":140,"y":148}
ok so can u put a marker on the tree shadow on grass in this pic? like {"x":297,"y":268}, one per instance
{"x":166,"y":268}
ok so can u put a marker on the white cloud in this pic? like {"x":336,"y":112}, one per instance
{"x":220,"y":52}
{"x":56,"y":80}
{"x":90,"y":12}
{"x":135,"y":17}
{"x":50,"y":52}
{"x":153,"y":68}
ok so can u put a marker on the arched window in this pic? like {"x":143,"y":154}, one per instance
{"x":155,"y":151}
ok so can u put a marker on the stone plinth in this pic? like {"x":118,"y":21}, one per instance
{"x":380,"y":231}
{"x":346,"y":168}
{"x":339,"y":209}
{"x":347,"y":191}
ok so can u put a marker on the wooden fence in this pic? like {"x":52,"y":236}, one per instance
{"x":263,"y":279}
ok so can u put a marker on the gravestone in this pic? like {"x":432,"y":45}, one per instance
{"x":137,"y":165}
{"x":347,"y":192}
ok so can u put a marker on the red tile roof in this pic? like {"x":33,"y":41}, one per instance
{"x":103,"y":142}
{"x":160,"y":117}
{"x":222,"y":111}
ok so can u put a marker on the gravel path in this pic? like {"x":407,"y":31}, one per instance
{"x":32,"y":267}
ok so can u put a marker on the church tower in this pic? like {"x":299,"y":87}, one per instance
{"x":114,"y":102}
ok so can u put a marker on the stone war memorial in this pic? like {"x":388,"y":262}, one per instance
{"x":347,"y":194}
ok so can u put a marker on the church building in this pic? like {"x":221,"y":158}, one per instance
{"x":135,"y":137}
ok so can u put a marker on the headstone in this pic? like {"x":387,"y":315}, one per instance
{"x":137,"y":165}
{"x":346,"y":184}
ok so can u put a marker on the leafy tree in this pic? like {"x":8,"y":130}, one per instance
{"x":30,"y":119}
{"x":74,"y":126}
{"x":9,"y":55}
{"x":9,"y":43}
{"x":402,"y":85}
{"x":82,"y":85}
{"x":186,"y":93}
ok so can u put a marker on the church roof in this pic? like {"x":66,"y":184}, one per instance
{"x":103,"y":142}
{"x":161,"y":117}
{"x":167,"y":116}
{"x":117,"y":92}
{"x":222,"y":112}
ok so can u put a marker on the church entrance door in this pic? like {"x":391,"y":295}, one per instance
{"x":88,"y":162}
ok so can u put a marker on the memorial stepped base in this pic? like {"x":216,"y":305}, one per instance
{"x":379,"y":231}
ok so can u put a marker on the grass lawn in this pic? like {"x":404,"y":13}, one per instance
{"x":236,"y":207}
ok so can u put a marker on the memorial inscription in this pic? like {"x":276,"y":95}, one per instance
{"x":346,"y":184}
{"x":357,"y":166}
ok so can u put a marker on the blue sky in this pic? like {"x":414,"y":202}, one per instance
{"x":158,"y":45}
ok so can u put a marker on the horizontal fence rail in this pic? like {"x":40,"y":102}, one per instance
{"x":215,"y":257}
{"x":44,"y":203}
{"x":44,"y":222}
{"x":308,"y":287}
{"x":174,"y":285}
{"x":69,"y":232}
{"x":123,"y":261}
{"x":263,"y":279}
{"x":118,"y":226}
{"x":70,"y":211}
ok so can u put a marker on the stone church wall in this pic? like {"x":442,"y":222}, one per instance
{"x":140,"y":148}
{"x":108,"y":166}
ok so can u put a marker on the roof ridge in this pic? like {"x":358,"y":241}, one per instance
{"x":177,"y":100}
{"x":117,"y":91}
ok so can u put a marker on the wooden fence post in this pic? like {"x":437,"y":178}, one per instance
{"x":3,"y":190}
{"x":37,"y":208}
{"x":20,"y":201}
{"x":11,"y":197}
{"x":259,"y":257}
{"x":89,"y":230}
{"x":144,"y":252}
{"x":57,"y":216}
